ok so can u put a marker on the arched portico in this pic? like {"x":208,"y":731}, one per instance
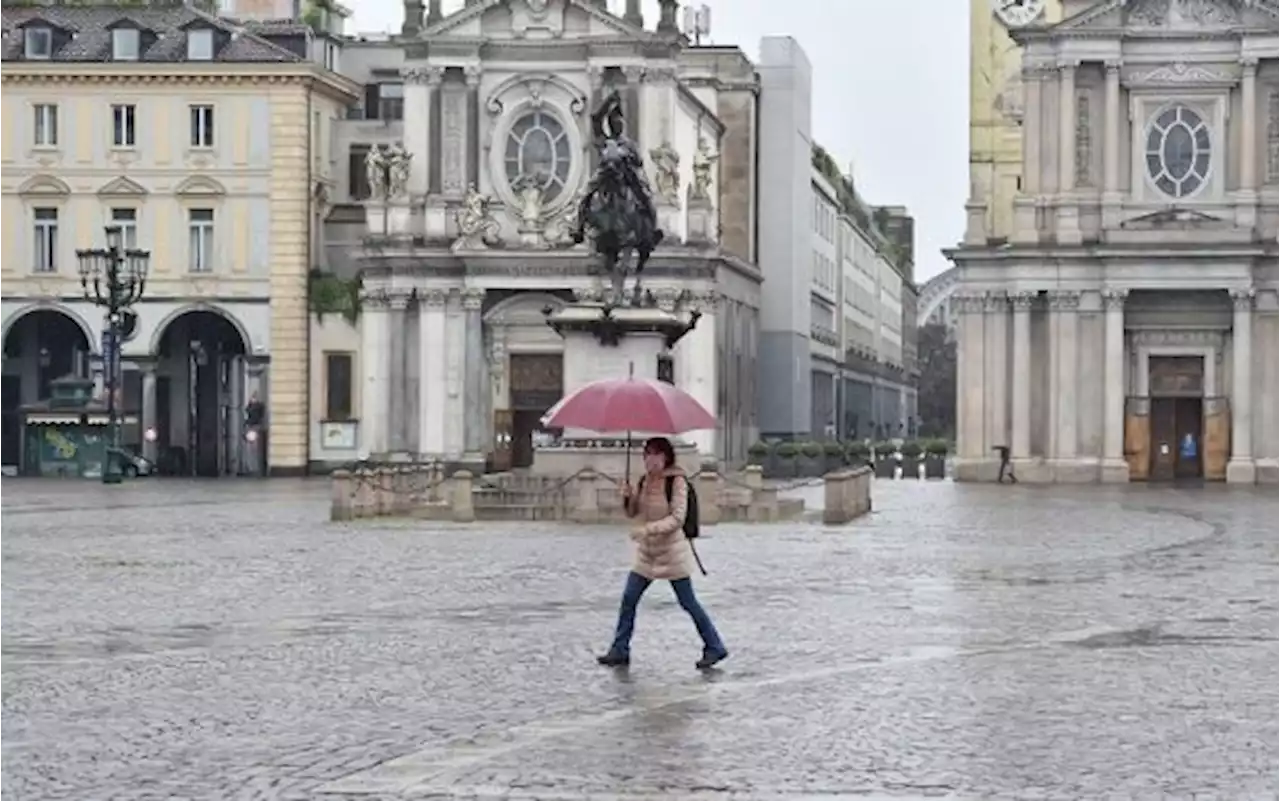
{"x":42,"y":342}
{"x":199,"y":398}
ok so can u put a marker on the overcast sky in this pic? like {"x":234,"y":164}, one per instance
{"x":890,"y":83}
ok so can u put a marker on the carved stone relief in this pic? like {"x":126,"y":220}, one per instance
{"x":454,"y":126}
{"x":1180,"y":73}
{"x":1273,"y":136}
{"x":1084,"y":140}
{"x":1182,"y":13}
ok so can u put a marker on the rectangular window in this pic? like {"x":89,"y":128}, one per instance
{"x":200,"y":45}
{"x":127,"y":221}
{"x":391,"y":101}
{"x":125,"y":44}
{"x":123,"y":133}
{"x":357,"y":178}
{"x":46,"y":240}
{"x":38,"y":43}
{"x":200,"y":236}
{"x":338,"y":383}
{"x":46,"y":125}
{"x":202,"y":126}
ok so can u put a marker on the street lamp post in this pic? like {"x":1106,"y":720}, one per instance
{"x":113,"y":278}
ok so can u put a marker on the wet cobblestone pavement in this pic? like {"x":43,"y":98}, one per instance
{"x":223,"y":641}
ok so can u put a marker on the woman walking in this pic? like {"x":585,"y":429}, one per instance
{"x":662,"y":552}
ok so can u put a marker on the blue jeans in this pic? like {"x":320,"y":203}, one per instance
{"x":634,"y":590}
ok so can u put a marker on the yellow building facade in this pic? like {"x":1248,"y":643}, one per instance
{"x":995,"y":118}
{"x":214,"y":167}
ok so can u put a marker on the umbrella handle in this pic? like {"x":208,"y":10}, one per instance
{"x":627,"y":476}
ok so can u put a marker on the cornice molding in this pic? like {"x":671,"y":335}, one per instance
{"x":181,"y":74}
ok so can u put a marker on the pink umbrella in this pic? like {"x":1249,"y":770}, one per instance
{"x":630,"y":404}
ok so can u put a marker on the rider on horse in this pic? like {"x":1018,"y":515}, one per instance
{"x":620,"y":165}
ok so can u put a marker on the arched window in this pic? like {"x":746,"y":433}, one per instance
{"x":1178,"y":151}
{"x":538,"y":150}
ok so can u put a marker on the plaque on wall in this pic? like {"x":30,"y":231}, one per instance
{"x":338,"y":434}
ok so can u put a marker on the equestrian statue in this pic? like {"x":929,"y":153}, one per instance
{"x":617,"y":206}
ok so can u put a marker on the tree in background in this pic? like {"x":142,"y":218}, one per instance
{"x":937,"y":387}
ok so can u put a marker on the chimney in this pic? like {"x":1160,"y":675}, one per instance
{"x":667,"y":16}
{"x":412,"y":18}
{"x":433,"y":12}
{"x":633,"y":15}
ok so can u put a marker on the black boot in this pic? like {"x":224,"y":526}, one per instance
{"x":614,"y":659}
{"x":710,"y":659}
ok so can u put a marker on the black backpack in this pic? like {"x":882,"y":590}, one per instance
{"x":691,"y":505}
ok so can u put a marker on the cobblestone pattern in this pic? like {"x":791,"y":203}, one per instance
{"x":222,"y":641}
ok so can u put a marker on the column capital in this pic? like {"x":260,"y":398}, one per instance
{"x":595,"y":74}
{"x":1064,"y":300}
{"x":995,"y":302}
{"x":472,"y":73}
{"x":660,"y":75}
{"x":969,"y":302}
{"x":1249,"y":65}
{"x":1067,"y":66}
{"x":1113,"y":299}
{"x":431,"y":76}
{"x":472,"y":299}
{"x":633,"y":72}
{"x":400,"y":299}
{"x":433,"y":298}
{"x":376,"y":298}
{"x":1242,"y":299}
{"x":1023,"y":301}
{"x":1113,"y":66}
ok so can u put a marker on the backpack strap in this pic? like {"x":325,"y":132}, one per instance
{"x":671,"y":485}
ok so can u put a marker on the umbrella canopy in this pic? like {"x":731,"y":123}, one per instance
{"x":630,"y":404}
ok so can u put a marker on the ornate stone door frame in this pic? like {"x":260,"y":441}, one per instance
{"x":1206,"y":344}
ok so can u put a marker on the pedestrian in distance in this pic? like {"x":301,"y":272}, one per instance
{"x":1006,"y":466}
{"x":659,"y":506}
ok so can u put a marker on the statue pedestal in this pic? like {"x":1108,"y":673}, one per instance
{"x":391,"y":218}
{"x":703,"y":225}
{"x":669,"y":221}
{"x":601,"y":344}
{"x":438,"y":219}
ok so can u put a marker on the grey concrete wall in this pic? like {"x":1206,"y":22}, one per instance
{"x":783,"y":390}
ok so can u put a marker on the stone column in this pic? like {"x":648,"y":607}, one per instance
{"x":1024,"y":205}
{"x":1240,"y":468}
{"x":472,"y":74}
{"x":1111,"y":147}
{"x":474,"y":359}
{"x":1065,"y":307}
{"x":1247,"y":210}
{"x":397,"y":377}
{"x":434,"y":77}
{"x":1114,"y":467}
{"x":375,"y":365}
{"x":995,"y":371}
{"x":432,"y":384}
{"x":1020,"y":446}
{"x":1068,"y":214}
{"x":417,"y":124}
{"x":695,"y":367}
{"x":970,"y":363}
{"x":149,"y":449}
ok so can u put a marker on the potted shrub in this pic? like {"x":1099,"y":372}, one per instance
{"x":785,"y":460}
{"x":911,"y":451}
{"x":758,"y":453}
{"x":886,"y":456}
{"x":834,"y":457}
{"x":935,"y":458}
{"x":810,"y":460}
{"x":858,"y":453}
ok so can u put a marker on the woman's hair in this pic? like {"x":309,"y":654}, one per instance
{"x":663,"y":446}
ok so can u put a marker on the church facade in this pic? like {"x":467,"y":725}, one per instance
{"x":1126,"y":327}
{"x":469,"y":233}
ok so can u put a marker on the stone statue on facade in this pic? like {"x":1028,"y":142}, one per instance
{"x":563,"y":227}
{"x":666,"y":165}
{"x":617,"y":207}
{"x":375,"y":171}
{"x":477,"y":229}
{"x":398,"y":161}
{"x":529,"y":190}
{"x":704,"y":161}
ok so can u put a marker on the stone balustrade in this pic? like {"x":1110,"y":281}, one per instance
{"x":423,"y":491}
{"x":846,"y":495}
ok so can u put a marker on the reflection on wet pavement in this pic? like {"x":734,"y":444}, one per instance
{"x":215,"y":641}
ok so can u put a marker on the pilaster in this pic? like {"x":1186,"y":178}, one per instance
{"x":1241,"y":468}
{"x":1025,"y":224}
{"x":1021,"y":428}
{"x":475,"y":366}
{"x":1064,"y":307}
{"x":1068,"y":212}
{"x":471,"y":74}
{"x":375,"y":367}
{"x":1111,"y":147}
{"x":995,"y":370}
{"x":419,"y":84}
{"x":398,"y":353}
{"x":1247,"y":197}
{"x":970,"y":366}
{"x":432,"y":388}
{"x":1115,"y":469}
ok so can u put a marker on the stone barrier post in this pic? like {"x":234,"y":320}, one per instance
{"x":340,"y":495}
{"x":835,"y":498}
{"x":464,"y":510}
{"x":708,"y":489}
{"x":861,"y":486}
{"x":753,"y":477}
{"x":764,"y":506}
{"x":363,"y":502}
{"x":587,"y":509}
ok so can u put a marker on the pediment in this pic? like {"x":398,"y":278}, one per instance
{"x":44,"y":186}
{"x":1177,"y":219}
{"x":122,"y":187}
{"x":1174,"y":16}
{"x":506,"y":19}
{"x":200,"y":186}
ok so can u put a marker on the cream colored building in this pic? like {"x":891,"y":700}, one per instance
{"x":207,"y":144}
{"x":1127,"y":328}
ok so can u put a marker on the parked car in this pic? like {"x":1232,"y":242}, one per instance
{"x":131,"y":464}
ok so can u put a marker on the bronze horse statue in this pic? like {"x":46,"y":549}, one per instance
{"x":617,"y":208}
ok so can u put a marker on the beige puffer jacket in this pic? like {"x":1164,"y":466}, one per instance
{"x":662,"y":552}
